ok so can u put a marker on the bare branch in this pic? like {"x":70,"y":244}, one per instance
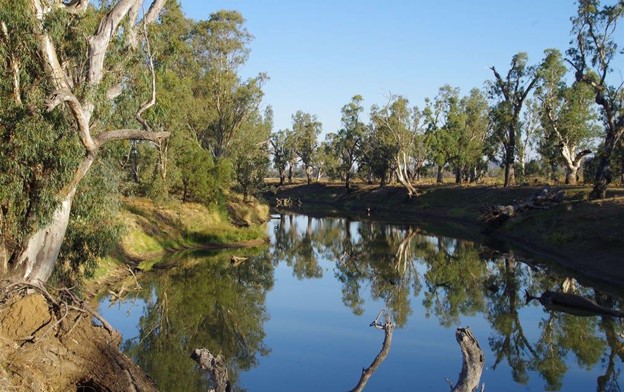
{"x":154,"y":11}
{"x":147,"y":104}
{"x":129,"y":134}
{"x":98,"y":43}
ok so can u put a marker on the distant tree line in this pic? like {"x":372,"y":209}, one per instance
{"x":529,"y":108}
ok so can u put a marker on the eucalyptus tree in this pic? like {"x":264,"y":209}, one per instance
{"x":378,"y":152}
{"x":592,"y":56}
{"x":305,"y":132}
{"x":280,"y":152}
{"x":444,"y":120}
{"x":220,"y":45}
{"x":63,"y":90}
{"x":251,"y":154}
{"x":509,"y":93}
{"x":395,"y":121}
{"x":471,"y":146}
{"x":348,"y":142}
{"x":568,"y":117}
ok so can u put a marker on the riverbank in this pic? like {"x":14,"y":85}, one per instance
{"x":152,"y":231}
{"x":48,"y":341}
{"x":582,"y":236}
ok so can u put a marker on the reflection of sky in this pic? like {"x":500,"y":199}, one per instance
{"x":123,"y":315}
{"x":318,"y":344}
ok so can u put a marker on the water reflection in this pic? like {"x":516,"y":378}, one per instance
{"x":201,"y":302}
{"x":204,"y":302}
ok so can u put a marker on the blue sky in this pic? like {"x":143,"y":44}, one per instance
{"x":319,"y":53}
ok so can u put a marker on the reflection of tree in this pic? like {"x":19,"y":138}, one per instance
{"x":298,"y":252}
{"x":454,"y":280}
{"x":204,"y":304}
{"x":504,"y":302}
{"x":461,"y":279}
{"x":560,"y":333}
{"x":383,"y":259}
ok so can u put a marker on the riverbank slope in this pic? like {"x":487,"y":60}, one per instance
{"x":585,"y":237}
{"x":152,"y":230}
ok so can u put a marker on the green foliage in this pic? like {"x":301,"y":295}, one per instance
{"x":305,"y":131}
{"x":38,"y":153}
{"x":94,"y":228}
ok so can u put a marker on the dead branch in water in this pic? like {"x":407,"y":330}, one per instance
{"x":215,"y":366}
{"x":472,"y":362}
{"x":388,"y":327}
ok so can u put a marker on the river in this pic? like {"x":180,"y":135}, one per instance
{"x":296,"y":315}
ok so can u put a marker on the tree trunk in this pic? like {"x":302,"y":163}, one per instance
{"x":36,"y":261}
{"x":439,"y":178}
{"x":510,"y":175}
{"x":309,"y":174}
{"x":403,"y":177}
{"x":571,"y":173}
{"x":603,"y":173}
{"x":290,"y":174}
{"x":348,"y":181}
{"x":458,"y":175}
{"x":282,"y":177}
{"x":367,"y":373}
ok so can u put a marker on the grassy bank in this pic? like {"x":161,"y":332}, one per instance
{"x":584,"y":236}
{"x":152,"y":231}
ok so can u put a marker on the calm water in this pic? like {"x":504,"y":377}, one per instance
{"x":296,"y":315}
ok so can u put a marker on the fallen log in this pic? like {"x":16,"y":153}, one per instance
{"x":573,"y":304}
{"x":543,"y":199}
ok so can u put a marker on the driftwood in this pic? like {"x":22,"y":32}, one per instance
{"x":573,"y":304}
{"x":287,"y":202}
{"x":235,"y":261}
{"x":543,"y":199}
{"x":215,"y":366}
{"x":472,"y":364}
{"x":388,"y":327}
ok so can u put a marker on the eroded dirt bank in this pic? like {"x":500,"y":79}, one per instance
{"x":50,"y":343}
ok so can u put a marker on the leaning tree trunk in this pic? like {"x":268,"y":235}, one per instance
{"x":34,"y":259}
{"x":403,"y":176}
{"x":36,"y":262}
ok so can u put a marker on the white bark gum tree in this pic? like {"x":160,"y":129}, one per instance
{"x":35,"y":259}
{"x":404,"y":139}
{"x":571,"y":157}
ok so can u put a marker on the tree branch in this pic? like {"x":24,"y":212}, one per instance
{"x":149,"y":103}
{"x":129,"y":134}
